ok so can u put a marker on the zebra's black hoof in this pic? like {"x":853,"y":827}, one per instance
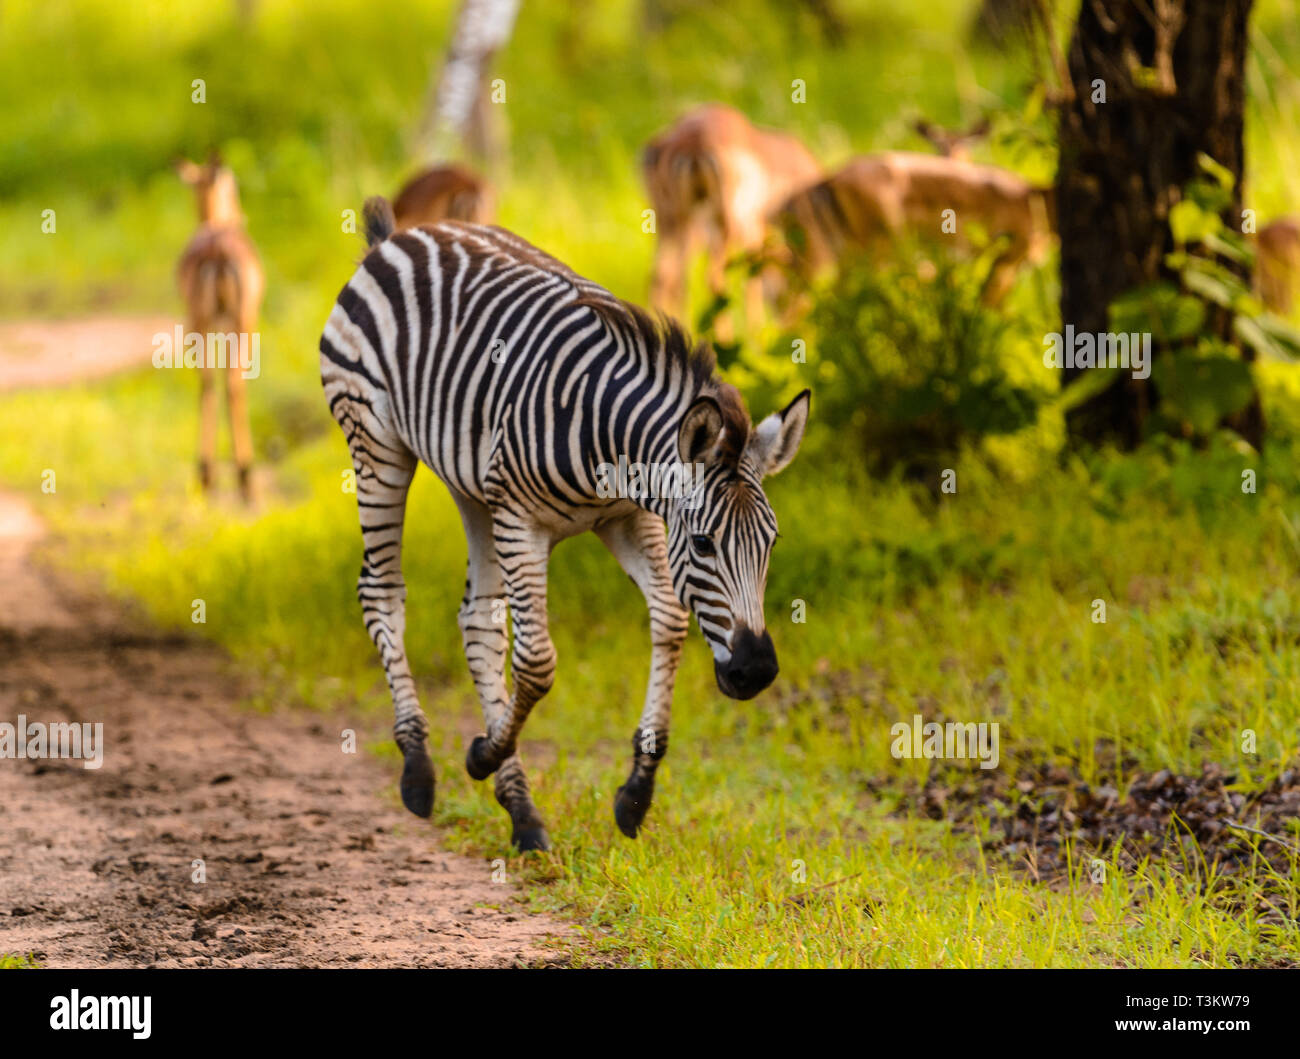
{"x":526,"y":838}
{"x":631,"y":803}
{"x":417,"y":782}
{"x":479,"y":760}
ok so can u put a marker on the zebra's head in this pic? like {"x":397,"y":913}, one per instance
{"x":720,"y":536}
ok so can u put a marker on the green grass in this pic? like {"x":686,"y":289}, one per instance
{"x":976,"y":608}
{"x":14,"y":962}
{"x":777,"y":836}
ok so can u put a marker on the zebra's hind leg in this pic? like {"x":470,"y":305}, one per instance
{"x":482,"y":618}
{"x":384,"y":472}
{"x":637,"y":542}
{"x":523,"y":552}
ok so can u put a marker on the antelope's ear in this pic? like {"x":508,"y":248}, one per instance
{"x":701,"y":427}
{"x":187,"y":170}
{"x":776,"y":439}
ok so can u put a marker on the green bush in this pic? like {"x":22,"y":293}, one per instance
{"x":1200,"y":379}
{"x":914,"y":368}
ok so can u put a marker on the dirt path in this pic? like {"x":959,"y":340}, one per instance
{"x":310,"y":860}
{"x":51,"y":352}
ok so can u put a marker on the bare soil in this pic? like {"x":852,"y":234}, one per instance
{"x":309,"y":859}
{"x":52,"y":352}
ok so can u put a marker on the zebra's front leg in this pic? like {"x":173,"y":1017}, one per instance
{"x":519,"y":567}
{"x":638,"y":543}
{"x":527,"y":829}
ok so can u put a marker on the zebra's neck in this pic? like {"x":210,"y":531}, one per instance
{"x":642,"y":448}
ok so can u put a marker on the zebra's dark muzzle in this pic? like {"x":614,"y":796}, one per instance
{"x":751,"y":668}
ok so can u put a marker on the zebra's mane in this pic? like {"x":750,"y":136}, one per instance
{"x":659,"y":331}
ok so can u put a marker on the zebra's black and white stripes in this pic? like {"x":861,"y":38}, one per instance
{"x":518,"y":382}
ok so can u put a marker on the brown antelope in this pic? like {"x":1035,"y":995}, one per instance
{"x":877,"y":200}
{"x":444,"y":193}
{"x":1277,"y":264}
{"x":714,"y":177}
{"x":221,"y":280}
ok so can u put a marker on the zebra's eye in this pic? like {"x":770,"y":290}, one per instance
{"x":702,"y":543}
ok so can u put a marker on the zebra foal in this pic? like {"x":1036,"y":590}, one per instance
{"x":519,"y":383}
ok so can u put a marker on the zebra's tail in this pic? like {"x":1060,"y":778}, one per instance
{"x":378,"y":217}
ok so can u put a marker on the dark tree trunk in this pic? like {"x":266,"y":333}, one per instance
{"x":1174,"y":75}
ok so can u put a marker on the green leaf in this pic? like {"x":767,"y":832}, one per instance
{"x":1202,"y":390}
{"x":1208,"y":287}
{"x":1269,"y":335}
{"x":1215,"y":283}
{"x":1161,"y":308}
{"x":1191,"y":224}
{"x":1084,"y":388}
{"x":1221,"y":174}
{"x":712,"y":311}
{"x":1144,"y":77}
{"x":1209,"y":195}
{"x":1034,"y":104}
{"x":1229,"y":244}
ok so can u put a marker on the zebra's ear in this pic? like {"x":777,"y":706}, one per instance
{"x":776,"y":439}
{"x":701,"y":427}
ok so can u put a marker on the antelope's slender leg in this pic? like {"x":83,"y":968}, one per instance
{"x":1002,"y":276}
{"x":241,"y":438}
{"x":718,"y":250}
{"x":671,"y":263}
{"x":241,"y":434}
{"x":207,"y":425}
{"x":638,"y":543}
{"x":482,"y":619}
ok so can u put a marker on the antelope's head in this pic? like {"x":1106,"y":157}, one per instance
{"x":215,"y":190}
